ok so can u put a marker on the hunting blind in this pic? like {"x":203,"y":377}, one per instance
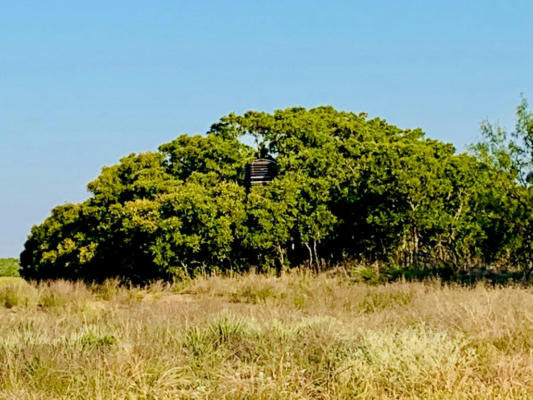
{"x":260,"y":171}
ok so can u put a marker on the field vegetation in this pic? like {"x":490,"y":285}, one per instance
{"x":296,"y":336}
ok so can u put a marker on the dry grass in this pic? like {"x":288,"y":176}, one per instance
{"x":261,"y":337}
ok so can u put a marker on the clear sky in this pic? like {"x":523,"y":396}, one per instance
{"x":84,"y":83}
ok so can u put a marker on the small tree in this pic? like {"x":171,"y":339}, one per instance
{"x":511,"y":154}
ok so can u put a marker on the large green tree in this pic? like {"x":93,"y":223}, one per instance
{"x":345,"y":187}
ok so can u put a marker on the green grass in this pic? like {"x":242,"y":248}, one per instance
{"x":260,"y":337}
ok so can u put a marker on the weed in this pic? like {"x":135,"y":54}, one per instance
{"x":97,"y":340}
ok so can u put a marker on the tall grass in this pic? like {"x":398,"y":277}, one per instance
{"x":297,"y":336}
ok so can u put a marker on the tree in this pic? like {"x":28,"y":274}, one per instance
{"x":345,"y":187}
{"x":148,"y":216}
{"x":509,"y":157}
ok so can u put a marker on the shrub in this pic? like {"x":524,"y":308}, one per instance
{"x":9,"y":267}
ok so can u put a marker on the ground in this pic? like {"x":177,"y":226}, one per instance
{"x":298,"y":336}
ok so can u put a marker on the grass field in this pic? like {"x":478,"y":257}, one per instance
{"x":260,"y":337}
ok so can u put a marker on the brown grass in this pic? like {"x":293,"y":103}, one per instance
{"x":261,"y":337}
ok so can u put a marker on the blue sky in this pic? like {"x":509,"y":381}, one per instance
{"x":84,"y":83}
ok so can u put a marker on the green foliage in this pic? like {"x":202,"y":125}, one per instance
{"x":509,"y":156}
{"x":9,"y":267}
{"x":347,"y":187}
{"x":95,"y":340}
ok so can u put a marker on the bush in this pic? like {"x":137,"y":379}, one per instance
{"x":9,"y":267}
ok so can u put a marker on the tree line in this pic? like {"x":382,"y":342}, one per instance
{"x":346,"y":188}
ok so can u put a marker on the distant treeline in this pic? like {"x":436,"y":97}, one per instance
{"x":346,"y":188}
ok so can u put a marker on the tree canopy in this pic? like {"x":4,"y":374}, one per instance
{"x":347,"y":187}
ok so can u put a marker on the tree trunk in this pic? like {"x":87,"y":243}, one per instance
{"x":527,"y":272}
{"x":317,"y":260}
{"x":281,"y":258}
{"x":310,"y":253}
